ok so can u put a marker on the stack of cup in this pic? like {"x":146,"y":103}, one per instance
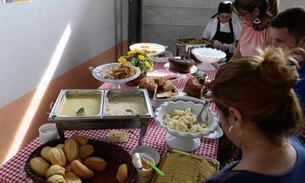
{"x":47,"y":132}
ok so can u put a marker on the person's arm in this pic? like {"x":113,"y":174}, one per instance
{"x":237,"y":49}
{"x":208,"y":31}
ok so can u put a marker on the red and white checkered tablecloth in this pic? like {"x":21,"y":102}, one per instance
{"x":12,"y":171}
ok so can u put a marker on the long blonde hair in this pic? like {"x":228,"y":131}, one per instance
{"x":261,"y":88}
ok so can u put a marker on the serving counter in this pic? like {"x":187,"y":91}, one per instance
{"x":13,"y":170}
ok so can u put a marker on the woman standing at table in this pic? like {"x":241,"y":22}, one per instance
{"x":261,"y":123}
{"x":223,"y":30}
{"x":255,"y":15}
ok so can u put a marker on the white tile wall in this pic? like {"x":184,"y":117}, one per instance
{"x":164,"y":21}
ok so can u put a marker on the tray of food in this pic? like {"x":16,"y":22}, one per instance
{"x":122,"y":103}
{"x":150,"y":48}
{"x":183,"y":167}
{"x":76,"y":103}
{"x":78,"y":159}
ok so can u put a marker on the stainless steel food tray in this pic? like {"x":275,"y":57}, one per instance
{"x":77,"y":98}
{"x":102,"y":120}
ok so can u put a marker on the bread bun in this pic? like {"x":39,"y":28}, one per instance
{"x":60,"y":145}
{"x":57,"y":156}
{"x":95,"y":163}
{"x":156,"y":85}
{"x":68,"y":167}
{"x":71,"y":177}
{"x":56,"y":179}
{"x":55,"y":170}
{"x":85,"y":151}
{"x":81,"y":170}
{"x":39,"y":166}
{"x":44,"y":153}
{"x":71,"y":149}
{"x":81,"y":140}
{"x":122,"y":174}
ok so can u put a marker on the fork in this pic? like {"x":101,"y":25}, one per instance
{"x":199,"y":116}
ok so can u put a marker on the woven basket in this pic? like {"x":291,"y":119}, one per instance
{"x":114,"y":156}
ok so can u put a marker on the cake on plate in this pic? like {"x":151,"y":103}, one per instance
{"x":181,"y":65}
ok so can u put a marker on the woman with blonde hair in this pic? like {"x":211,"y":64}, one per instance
{"x":255,"y":15}
{"x":260,"y":113}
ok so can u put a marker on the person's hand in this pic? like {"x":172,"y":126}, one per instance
{"x":217,"y":44}
{"x":220,"y":46}
{"x":224,"y":47}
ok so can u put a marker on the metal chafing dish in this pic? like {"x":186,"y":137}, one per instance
{"x":97,"y":114}
{"x":184,"y":46}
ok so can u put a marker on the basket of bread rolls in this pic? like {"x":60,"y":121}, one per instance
{"x":79,"y":159}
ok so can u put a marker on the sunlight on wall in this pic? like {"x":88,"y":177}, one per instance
{"x":40,"y":91}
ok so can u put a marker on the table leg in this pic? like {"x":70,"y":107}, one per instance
{"x":144,"y":126}
{"x":60,"y":130}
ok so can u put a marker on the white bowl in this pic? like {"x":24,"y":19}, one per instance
{"x":168,"y":107}
{"x":146,"y":150}
{"x":208,"y":56}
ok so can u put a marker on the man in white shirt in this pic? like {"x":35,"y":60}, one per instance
{"x":223,"y":30}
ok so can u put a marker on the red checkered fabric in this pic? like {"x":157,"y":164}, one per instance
{"x":12,"y":171}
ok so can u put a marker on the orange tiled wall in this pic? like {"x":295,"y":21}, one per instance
{"x":12,"y":114}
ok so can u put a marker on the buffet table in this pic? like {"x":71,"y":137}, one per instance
{"x":12,"y":171}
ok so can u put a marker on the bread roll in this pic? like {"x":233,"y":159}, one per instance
{"x":71,"y":177}
{"x":44,"y":153}
{"x":57,"y":156}
{"x":122,"y":174}
{"x":81,"y":140}
{"x":39,"y":166}
{"x":56,"y":179}
{"x":55,"y":170}
{"x":71,"y":149}
{"x":60,"y":145}
{"x":85,"y":151}
{"x":68,"y":168}
{"x":117,"y":136}
{"x":95,"y":163}
{"x":81,"y":170}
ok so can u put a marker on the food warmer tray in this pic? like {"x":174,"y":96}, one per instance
{"x":97,"y":118}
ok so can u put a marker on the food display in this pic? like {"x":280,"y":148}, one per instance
{"x":196,"y":86}
{"x":184,"y":167}
{"x":181,"y":65}
{"x":125,"y":105}
{"x":121,"y":71}
{"x":149,"y":48}
{"x":184,"y":121}
{"x":66,"y":164}
{"x":158,"y":87}
{"x":73,"y":101}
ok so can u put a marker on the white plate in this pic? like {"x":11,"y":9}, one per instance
{"x":100,"y":72}
{"x":192,"y":70}
{"x":158,"y":48}
{"x":148,"y":151}
{"x":216,"y":134}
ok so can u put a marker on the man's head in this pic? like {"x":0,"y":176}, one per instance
{"x":287,"y":29}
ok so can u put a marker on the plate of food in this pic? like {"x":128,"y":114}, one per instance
{"x":150,"y":48}
{"x":115,"y":73}
{"x":180,"y":166}
{"x":160,"y":89}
